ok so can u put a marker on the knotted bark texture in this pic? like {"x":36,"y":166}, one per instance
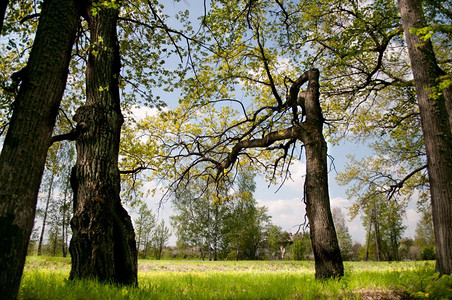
{"x":103,"y":243}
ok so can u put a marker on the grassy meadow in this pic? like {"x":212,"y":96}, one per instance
{"x":46,"y":278}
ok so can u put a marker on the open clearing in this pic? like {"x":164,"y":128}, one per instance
{"x":46,"y":278}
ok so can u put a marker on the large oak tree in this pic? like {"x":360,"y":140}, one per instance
{"x":103,"y":242}
{"x":29,"y":135}
{"x":435,"y":107}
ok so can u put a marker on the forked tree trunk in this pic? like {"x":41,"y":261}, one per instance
{"x":25,"y":147}
{"x":103,"y":242}
{"x":436,"y":117}
{"x":328,"y":259}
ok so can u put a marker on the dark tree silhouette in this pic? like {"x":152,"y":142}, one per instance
{"x":29,"y":135}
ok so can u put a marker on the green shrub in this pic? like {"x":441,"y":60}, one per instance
{"x":425,"y":283}
{"x":428,"y":253}
{"x":298,"y":249}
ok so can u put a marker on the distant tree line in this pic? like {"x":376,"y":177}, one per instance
{"x":231,"y":226}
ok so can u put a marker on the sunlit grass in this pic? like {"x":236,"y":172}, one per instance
{"x":46,"y":278}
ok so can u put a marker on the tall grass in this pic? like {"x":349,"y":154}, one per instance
{"x":46,"y":278}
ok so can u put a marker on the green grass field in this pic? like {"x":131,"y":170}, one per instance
{"x":46,"y":278}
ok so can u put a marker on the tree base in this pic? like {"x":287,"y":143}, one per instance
{"x":102,"y":235}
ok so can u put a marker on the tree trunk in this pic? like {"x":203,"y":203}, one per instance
{"x":3,"y":7}
{"x":237,"y":250}
{"x":210,"y":253}
{"x":215,"y":250}
{"x":65,"y":217}
{"x":55,"y":242}
{"x":25,"y":147}
{"x":140,"y":233}
{"x":146,"y":248}
{"x":328,"y":260}
{"x":103,"y":242}
{"x":377,"y":240}
{"x":369,"y":229}
{"x":201,"y":252}
{"x":41,"y":238}
{"x":436,"y":125}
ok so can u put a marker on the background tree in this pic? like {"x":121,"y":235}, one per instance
{"x":343,"y":235}
{"x":160,"y":239}
{"x":383,"y":223}
{"x":54,"y":207}
{"x":299,"y":247}
{"x":247,"y":235}
{"x":55,"y":234}
{"x":424,"y":238}
{"x":34,"y":239}
{"x":145,"y":224}
{"x":407,"y":249}
{"x":190,"y":218}
{"x":275,"y":236}
{"x":66,"y":212}
{"x":199,"y":217}
{"x":25,"y":146}
{"x":246,"y":225}
{"x":358,"y":251}
{"x":239,"y":218}
{"x":46,"y":210}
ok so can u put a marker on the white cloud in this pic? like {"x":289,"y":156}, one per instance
{"x":410,"y":220}
{"x":287,"y":213}
{"x":298,"y":173}
{"x":141,"y":112}
{"x":357,"y":231}
{"x":340,"y":202}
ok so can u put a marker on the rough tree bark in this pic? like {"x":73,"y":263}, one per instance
{"x":3,"y":7}
{"x":436,"y":116}
{"x":103,"y":241}
{"x":328,"y":259}
{"x":25,"y":147}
